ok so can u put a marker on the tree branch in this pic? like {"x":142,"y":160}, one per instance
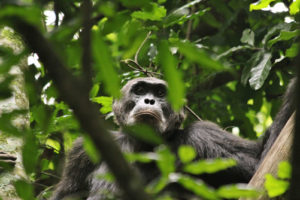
{"x":86,"y":42}
{"x":77,"y":97}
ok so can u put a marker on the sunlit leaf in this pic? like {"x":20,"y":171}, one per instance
{"x":260,"y":72}
{"x":106,"y":103}
{"x":176,"y":90}
{"x":284,"y":35}
{"x":208,"y":166}
{"x":53,"y":144}
{"x":154,"y":12}
{"x":274,"y":186}
{"x":260,"y":5}
{"x":237,"y":191}
{"x":186,"y":153}
{"x":284,"y":170}
{"x":292,"y":51}
{"x":295,"y":7}
{"x":141,"y":157}
{"x":105,"y":66}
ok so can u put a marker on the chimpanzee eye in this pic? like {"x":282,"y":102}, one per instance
{"x":139,"y":90}
{"x":161,"y":92}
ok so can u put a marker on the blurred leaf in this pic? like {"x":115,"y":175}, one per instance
{"x":262,"y":4}
{"x":275,"y":29}
{"x":141,"y":157}
{"x":105,"y":66}
{"x":284,"y":170}
{"x":176,"y":90}
{"x":94,"y":91}
{"x":30,"y":152}
{"x":196,"y":186}
{"x":208,"y":166}
{"x":194,"y":54}
{"x":186,"y":153}
{"x":292,"y":51}
{"x":260,"y":72}
{"x":284,"y":35}
{"x":106,"y":103}
{"x":24,"y":190}
{"x":166,"y":161}
{"x":295,"y":7}
{"x":153,"y":13}
{"x":6,"y":122}
{"x":237,"y":191}
{"x":90,"y":149}
{"x":5,"y":87}
{"x":31,"y":14}
{"x":274,"y":186}
{"x":144,"y":133}
{"x":248,"y":37}
{"x":135,"y":3}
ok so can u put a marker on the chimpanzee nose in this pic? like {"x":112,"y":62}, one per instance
{"x":149,"y":101}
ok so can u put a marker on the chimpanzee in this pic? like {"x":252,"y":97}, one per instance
{"x":144,"y":101}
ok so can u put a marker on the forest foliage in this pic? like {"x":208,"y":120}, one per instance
{"x":228,"y":61}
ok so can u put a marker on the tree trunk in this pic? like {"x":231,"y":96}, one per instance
{"x":280,"y":151}
{"x":9,"y":144}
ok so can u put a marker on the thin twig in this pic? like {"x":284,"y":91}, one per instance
{"x":140,"y":47}
{"x":139,"y":68}
{"x":192,"y":112}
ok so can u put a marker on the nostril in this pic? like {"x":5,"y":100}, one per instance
{"x":147,"y":101}
{"x":152,"y":102}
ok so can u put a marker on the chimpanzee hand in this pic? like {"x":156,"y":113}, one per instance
{"x":7,"y":161}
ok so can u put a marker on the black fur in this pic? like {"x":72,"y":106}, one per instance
{"x":210,"y":141}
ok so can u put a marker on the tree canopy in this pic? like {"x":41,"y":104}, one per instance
{"x":226,"y":61}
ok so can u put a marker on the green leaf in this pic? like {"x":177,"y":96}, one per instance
{"x":236,"y":191}
{"x":53,"y":144}
{"x":262,"y":4}
{"x":144,"y":133}
{"x":194,"y":54}
{"x":94,"y":91}
{"x":208,"y":166}
{"x":196,"y":186}
{"x":186,"y":153}
{"x":176,"y":90}
{"x":135,"y":3}
{"x":284,"y":35}
{"x":104,"y":65}
{"x":30,"y":14}
{"x":24,"y":190}
{"x":141,"y":157}
{"x":166,"y":161}
{"x":248,"y":37}
{"x":246,"y":74}
{"x":284,"y":170}
{"x":154,"y":12}
{"x":260,"y":72}
{"x":90,"y":149}
{"x":106,"y":103}
{"x":292,"y":52}
{"x":274,"y":186}
{"x":295,"y":7}
{"x":30,"y":152}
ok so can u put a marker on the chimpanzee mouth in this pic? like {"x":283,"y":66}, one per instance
{"x":145,"y":115}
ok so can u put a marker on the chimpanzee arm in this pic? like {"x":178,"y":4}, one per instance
{"x":211,"y":142}
{"x":74,"y":178}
